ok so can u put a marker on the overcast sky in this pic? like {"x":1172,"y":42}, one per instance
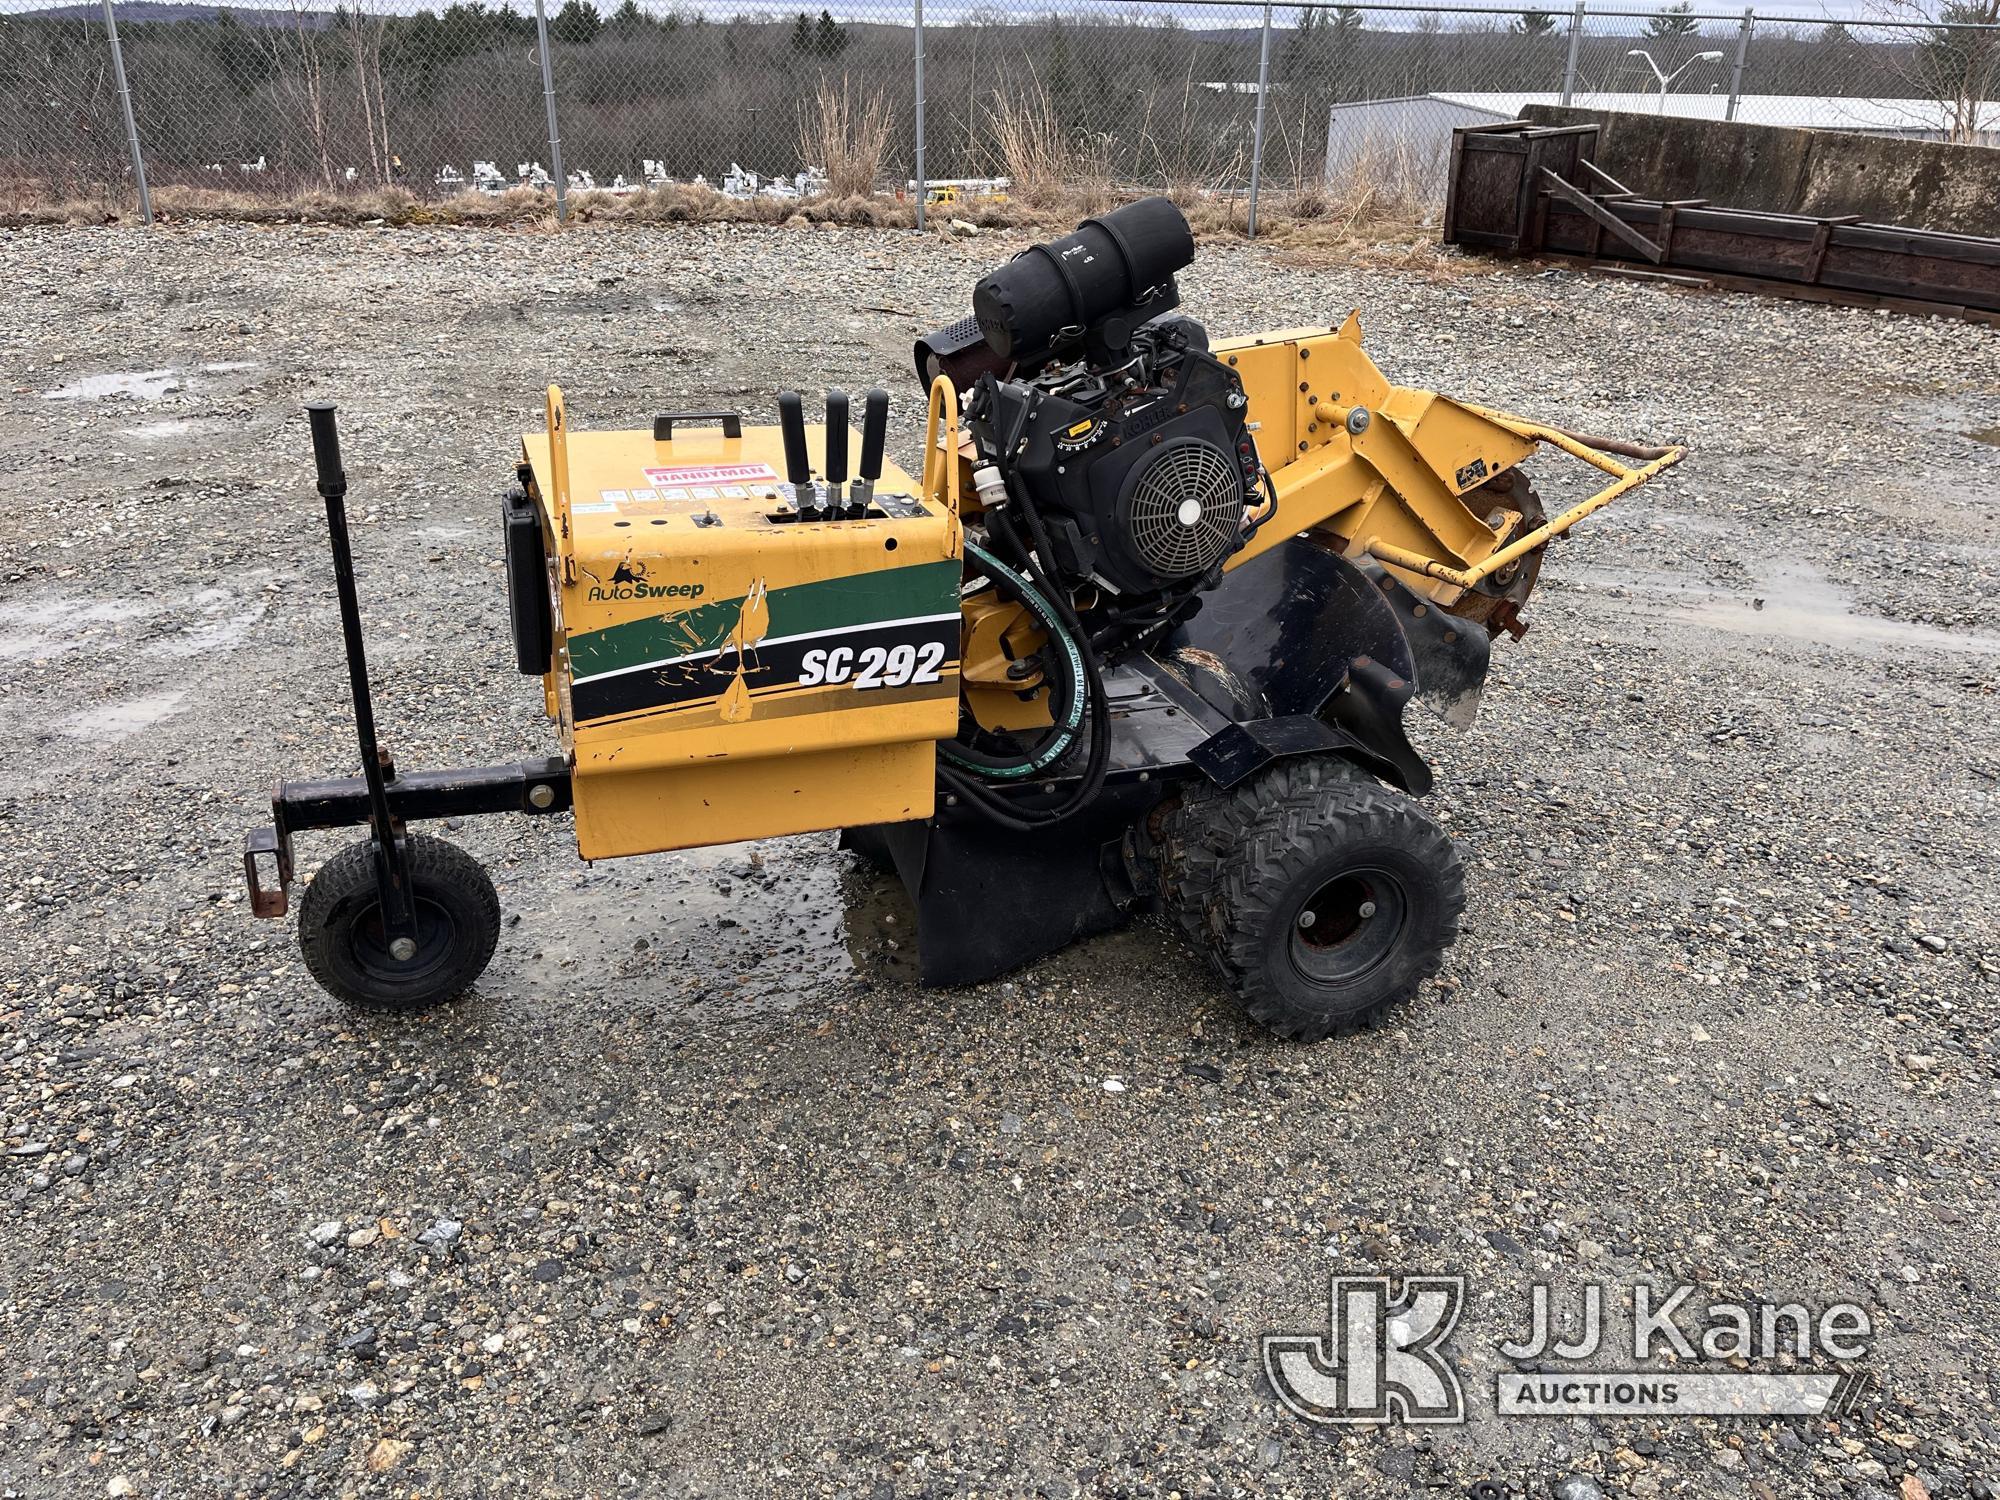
{"x":1198,"y":15}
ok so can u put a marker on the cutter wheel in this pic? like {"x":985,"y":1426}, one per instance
{"x":1140,"y":630}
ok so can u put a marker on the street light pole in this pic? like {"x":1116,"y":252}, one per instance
{"x":1667,"y":79}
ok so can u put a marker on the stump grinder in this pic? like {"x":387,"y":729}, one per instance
{"x":1139,"y":629}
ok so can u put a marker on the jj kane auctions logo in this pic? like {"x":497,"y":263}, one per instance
{"x":1382,"y":1357}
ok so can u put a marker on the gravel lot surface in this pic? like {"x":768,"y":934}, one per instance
{"x":699,"y":1195}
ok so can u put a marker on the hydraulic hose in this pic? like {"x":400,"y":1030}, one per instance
{"x":1074,"y":682}
{"x":999,"y":809}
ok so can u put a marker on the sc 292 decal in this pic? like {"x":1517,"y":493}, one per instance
{"x":874,"y":666}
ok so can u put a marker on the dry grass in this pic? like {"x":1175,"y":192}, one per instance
{"x":1357,"y":222}
{"x":1050,"y":168}
{"x":31,"y":200}
{"x":848,"y":135}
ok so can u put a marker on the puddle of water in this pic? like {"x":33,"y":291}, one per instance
{"x":136,"y":385}
{"x":37,"y":643}
{"x":1791,"y":601}
{"x":120,"y":721}
{"x":1664,"y":518}
{"x":223,"y":630}
{"x":75,"y":611}
{"x":733,"y":932}
{"x":153,"y":432}
{"x":141,"y":385}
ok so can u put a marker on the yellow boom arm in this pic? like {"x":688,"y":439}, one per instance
{"x":1406,"y":476}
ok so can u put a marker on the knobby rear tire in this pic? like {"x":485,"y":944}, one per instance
{"x":1319,"y":895}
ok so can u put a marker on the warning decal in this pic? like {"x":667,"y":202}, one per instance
{"x":706,"y":474}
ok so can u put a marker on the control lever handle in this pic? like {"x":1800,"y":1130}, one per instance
{"x":874,"y":432}
{"x":836,"y":439}
{"x":326,"y":450}
{"x":798,"y":465}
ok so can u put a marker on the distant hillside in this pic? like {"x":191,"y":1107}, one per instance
{"x":145,"y":12}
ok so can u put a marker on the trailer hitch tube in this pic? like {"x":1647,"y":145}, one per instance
{"x":399,"y":910}
{"x":532,"y":787}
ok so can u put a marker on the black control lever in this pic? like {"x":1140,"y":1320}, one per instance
{"x":836,"y":448}
{"x":798,"y":465}
{"x":874,"y":433}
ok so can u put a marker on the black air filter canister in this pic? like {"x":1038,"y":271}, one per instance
{"x":1107,"y":266}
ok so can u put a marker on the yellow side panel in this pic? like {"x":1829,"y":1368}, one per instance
{"x":719,"y":802}
{"x":727,"y":671}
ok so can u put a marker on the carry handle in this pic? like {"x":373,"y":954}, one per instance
{"x":663,"y":423}
{"x":941,"y":464}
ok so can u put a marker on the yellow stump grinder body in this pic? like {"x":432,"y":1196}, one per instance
{"x":1139,"y":629}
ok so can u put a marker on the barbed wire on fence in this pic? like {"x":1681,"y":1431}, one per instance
{"x":1075,"y":102}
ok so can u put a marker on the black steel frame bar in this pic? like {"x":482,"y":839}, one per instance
{"x":399,"y":913}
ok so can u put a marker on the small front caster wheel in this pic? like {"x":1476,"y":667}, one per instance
{"x":351,"y":956}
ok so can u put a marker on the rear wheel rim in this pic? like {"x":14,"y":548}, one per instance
{"x":1348,"y":926}
{"x":437,"y":942}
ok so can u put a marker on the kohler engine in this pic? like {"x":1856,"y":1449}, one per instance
{"x":1111,"y":444}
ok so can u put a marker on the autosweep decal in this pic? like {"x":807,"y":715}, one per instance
{"x":689,"y":654}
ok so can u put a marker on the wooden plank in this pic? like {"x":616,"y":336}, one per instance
{"x":1524,"y":190}
{"x":1635,"y":273}
{"x":1816,"y":257}
{"x":1449,"y":233}
{"x":1606,"y":180}
{"x":1803,"y":293}
{"x":1538,"y":226}
{"x":1971,"y":249}
{"x":1603,"y":216}
{"x":1740,"y":221}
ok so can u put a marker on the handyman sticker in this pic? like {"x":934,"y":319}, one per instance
{"x":689,"y":475}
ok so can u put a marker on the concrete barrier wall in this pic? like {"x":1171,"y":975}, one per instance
{"x":1885,"y":179}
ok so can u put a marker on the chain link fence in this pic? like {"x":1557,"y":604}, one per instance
{"x":1071,"y":101}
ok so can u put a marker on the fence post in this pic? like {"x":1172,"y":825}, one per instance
{"x":131,"y":127}
{"x":923,"y":187}
{"x":1575,"y":48}
{"x":1257,"y":130}
{"x":549,"y":100}
{"x":1742,"y":51}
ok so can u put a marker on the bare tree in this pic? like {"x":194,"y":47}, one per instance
{"x":299,"y":77}
{"x":356,"y":34}
{"x":1954,"y":65}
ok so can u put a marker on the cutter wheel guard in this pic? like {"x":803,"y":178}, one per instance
{"x":1139,"y":630}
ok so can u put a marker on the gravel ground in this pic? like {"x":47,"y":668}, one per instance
{"x":672,"y":1205}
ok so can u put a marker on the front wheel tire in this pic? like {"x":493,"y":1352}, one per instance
{"x":345,"y":944}
{"x":1321,"y":897}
